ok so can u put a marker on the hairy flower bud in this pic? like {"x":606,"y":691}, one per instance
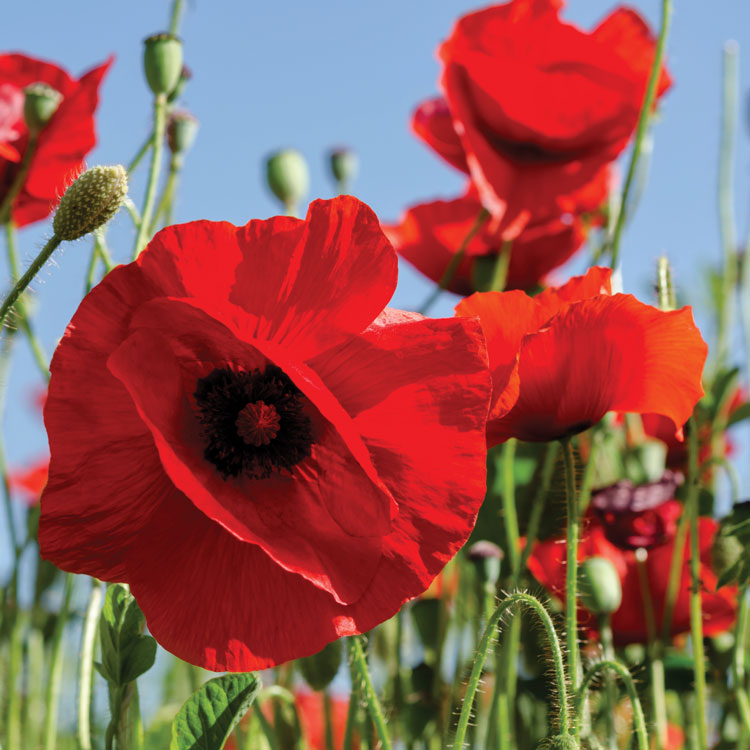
{"x":560,"y":742}
{"x":601,"y":590}
{"x":40,"y":103}
{"x":287,"y":176}
{"x":181,"y":131}
{"x":90,"y":202}
{"x":162,"y":62}
{"x":344,"y":165}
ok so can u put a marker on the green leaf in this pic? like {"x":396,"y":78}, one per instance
{"x":139,"y":659}
{"x":320,"y":669}
{"x":209,"y":716}
{"x":740,"y":414}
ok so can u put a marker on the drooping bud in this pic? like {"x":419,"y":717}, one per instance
{"x":664,"y":285}
{"x":181,"y":131}
{"x":185,"y":76}
{"x":288,"y":177}
{"x":344,"y":166}
{"x":726,"y":552}
{"x":40,"y":103}
{"x":162,"y":62}
{"x":487,"y":558}
{"x":320,"y":669}
{"x":90,"y":202}
{"x":600,"y":587}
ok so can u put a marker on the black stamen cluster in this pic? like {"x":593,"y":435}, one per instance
{"x":222,"y":395}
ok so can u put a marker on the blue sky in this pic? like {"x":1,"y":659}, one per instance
{"x":315,"y":75}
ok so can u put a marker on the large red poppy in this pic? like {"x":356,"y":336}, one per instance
{"x":561,"y":360}
{"x":241,"y":432}
{"x":430,"y":234}
{"x":602,"y":533}
{"x":535,"y":155}
{"x":63,"y":143}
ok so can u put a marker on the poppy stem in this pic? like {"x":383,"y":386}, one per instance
{"x":640,"y":133}
{"x":86,"y":663}
{"x":28,"y":276}
{"x":610,"y":692}
{"x":361,"y":672}
{"x":515,"y":599}
{"x":166,"y":202}
{"x":738,"y":658}
{"x":455,"y":262}
{"x":502,"y":264}
{"x":730,"y":87}
{"x":6,"y":207}
{"x":160,"y":123}
{"x":174,"y":24}
{"x":675,"y":575}
{"x":612,"y":665}
{"x":571,"y":567}
{"x":142,"y":151}
{"x":696,"y":613}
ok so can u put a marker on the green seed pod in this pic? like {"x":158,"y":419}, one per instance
{"x":601,"y":590}
{"x":162,"y":62}
{"x":344,"y":165}
{"x":288,"y":177}
{"x":40,"y":104}
{"x":181,"y":131}
{"x":90,"y":202}
{"x":320,"y":669}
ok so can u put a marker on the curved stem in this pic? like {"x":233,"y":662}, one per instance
{"x":361,"y":671}
{"x":643,"y":120}
{"x":86,"y":663}
{"x":160,"y":121}
{"x":54,"y":679}
{"x":27,"y":278}
{"x":622,"y":672}
{"x":6,"y":207}
{"x":610,"y":694}
{"x":455,"y":262}
{"x":738,"y":657}
{"x":517,"y":598}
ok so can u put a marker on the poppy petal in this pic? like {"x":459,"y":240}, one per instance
{"x":432,"y":123}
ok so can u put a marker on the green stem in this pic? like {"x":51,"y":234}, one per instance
{"x":351,"y":719}
{"x":160,"y":121}
{"x":54,"y":683}
{"x":696,"y":613}
{"x":142,"y":151}
{"x":328,"y":720}
{"x":28,"y":276}
{"x":622,"y":672}
{"x":540,"y":498}
{"x":455,"y":262}
{"x":730,"y":87}
{"x":86,"y":663}
{"x":738,"y":657}
{"x":40,"y":358}
{"x":500,"y":271}
{"x":571,"y":568}
{"x":15,"y":663}
{"x":174,"y":24}
{"x":361,"y":672}
{"x":643,"y":120}
{"x":6,"y":207}
{"x":490,"y":632}
{"x":266,"y":727}
{"x":610,"y":694}
{"x":166,"y":201}
{"x":587,"y":480}
{"x":675,"y":575}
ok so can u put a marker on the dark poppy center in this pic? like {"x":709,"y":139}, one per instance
{"x":254,"y":423}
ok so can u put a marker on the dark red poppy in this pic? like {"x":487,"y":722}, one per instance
{"x":29,"y":481}
{"x":242,"y":433}
{"x":430,"y":234}
{"x":561,"y":360}
{"x":537,"y":155}
{"x":63,"y":143}
{"x":547,"y":564}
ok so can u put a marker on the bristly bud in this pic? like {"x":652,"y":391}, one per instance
{"x":181,"y":131}
{"x":664,"y":285}
{"x":288,"y":178}
{"x":487,"y":558}
{"x":90,"y":202}
{"x":41,"y":102}
{"x":162,"y":62}
{"x":560,"y":742}
{"x":601,"y":590}
{"x":344,"y":166}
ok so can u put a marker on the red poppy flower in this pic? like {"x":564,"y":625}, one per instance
{"x":63,"y":143}
{"x":30,"y":480}
{"x":312,"y":719}
{"x":242,"y":433}
{"x":430,"y":234}
{"x":533,"y":156}
{"x":547,"y":564}
{"x":561,"y":360}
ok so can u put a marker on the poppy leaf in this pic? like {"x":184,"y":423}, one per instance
{"x":209,"y":716}
{"x":739,"y":415}
{"x":140,"y":659}
{"x":320,"y":669}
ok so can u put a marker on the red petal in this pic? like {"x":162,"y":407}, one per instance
{"x":432,"y":122}
{"x":594,"y":282}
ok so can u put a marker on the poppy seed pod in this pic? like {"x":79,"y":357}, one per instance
{"x":487,"y":558}
{"x":601,"y":590}
{"x":90,"y":202}
{"x":162,"y":62}
{"x":181,"y":131}
{"x":288,"y":177}
{"x":344,"y":165}
{"x":40,"y":103}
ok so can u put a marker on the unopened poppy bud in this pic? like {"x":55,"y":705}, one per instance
{"x":344,"y":165}
{"x":90,"y":202}
{"x":560,"y":742}
{"x":726,"y":552}
{"x":40,"y":104}
{"x":287,"y":176}
{"x":487,"y":558}
{"x":185,"y":76}
{"x":601,"y":590}
{"x":162,"y":62}
{"x":320,"y":669}
{"x":181,"y":131}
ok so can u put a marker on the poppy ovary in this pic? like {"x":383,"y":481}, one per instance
{"x":258,"y":423}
